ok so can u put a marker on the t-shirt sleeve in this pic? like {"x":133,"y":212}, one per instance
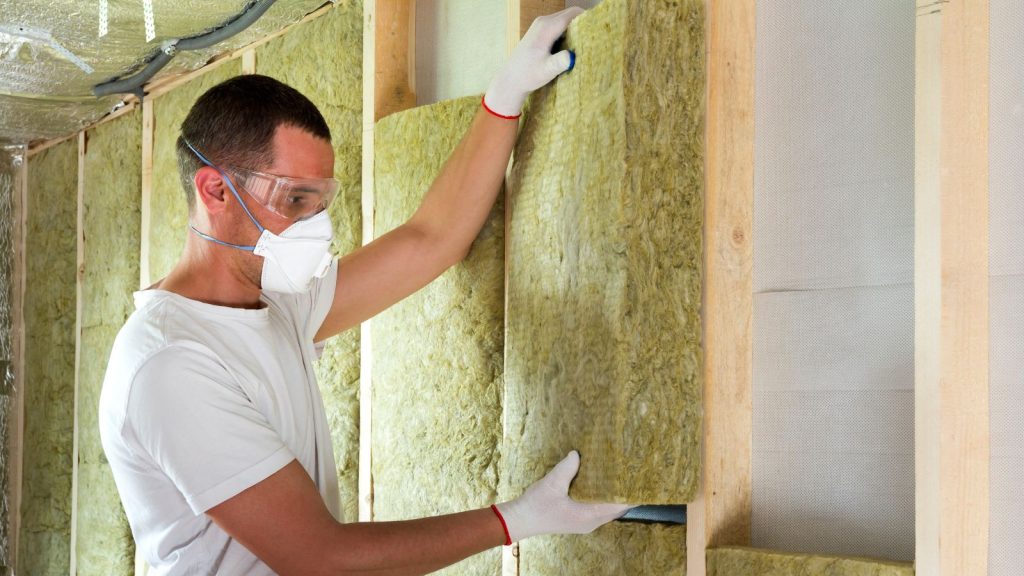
{"x":321,"y":298}
{"x":192,"y":418}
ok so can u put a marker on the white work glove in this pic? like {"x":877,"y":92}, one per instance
{"x":546,"y":508}
{"x":531,"y":64}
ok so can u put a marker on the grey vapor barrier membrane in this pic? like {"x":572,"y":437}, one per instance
{"x":44,"y":90}
{"x":1006,"y":287}
{"x":833,"y":376}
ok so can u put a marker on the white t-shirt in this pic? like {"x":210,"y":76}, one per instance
{"x":201,"y":402}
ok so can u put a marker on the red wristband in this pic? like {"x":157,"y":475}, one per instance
{"x":508,"y":537}
{"x":483,"y":101}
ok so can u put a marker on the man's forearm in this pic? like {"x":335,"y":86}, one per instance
{"x":460,"y":199}
{"x":416,"y":546}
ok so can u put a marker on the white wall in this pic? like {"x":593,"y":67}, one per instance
{"x":833,"y":462}
{"x":1006,"y":289}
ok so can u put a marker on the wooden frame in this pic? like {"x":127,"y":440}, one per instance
{"x":388,"y":86}
{"x":951,"y":288}
{"x":16,"y":429}
{"x":720,"y":515}
{"x":79,"y":277}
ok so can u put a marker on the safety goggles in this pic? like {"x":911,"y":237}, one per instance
{"x":293,"y":198}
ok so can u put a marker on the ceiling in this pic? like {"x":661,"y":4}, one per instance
{"x":52,"y":53}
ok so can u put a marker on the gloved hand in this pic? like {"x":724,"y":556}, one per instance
{"x":545,"y":507}
{"x":531,"y":64}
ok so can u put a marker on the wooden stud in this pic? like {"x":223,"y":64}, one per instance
{"x":79,"y":278}
{"x":521,"y":13}
{"x":393,"y":28}
{"x":720,"y":515}
{"x":249,"y":61}
{"x":146,"y":210}
{"x":16,"y":430}
{"x":951,"y":288}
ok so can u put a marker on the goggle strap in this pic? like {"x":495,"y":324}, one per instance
{"x":221,"y":242}
{"x":231,"y":186}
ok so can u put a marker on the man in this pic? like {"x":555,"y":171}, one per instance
{"x":210,"y":414}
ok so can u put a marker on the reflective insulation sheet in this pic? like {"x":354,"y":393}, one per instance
{"x":1006,"y":287}
{"x":833,"y":398}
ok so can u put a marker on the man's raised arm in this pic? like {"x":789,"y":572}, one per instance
{"x":457,"y":204}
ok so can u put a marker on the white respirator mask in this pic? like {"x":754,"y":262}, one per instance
{"x":301,"y":253}
{"x":291,"y":260}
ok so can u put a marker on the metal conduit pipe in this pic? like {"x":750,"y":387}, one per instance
{"x":134,"y":84}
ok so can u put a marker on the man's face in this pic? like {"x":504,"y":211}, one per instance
{"x":297,"y":154}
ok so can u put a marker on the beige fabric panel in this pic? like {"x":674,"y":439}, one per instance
{"x":731,"y":561}
{"x":334,"y":82}
{"x":604,"y":290}
{"x":437,"y":364}
{"x":460,"y":45}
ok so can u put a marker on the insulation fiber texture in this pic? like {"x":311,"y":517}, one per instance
{"x":10,"y":160}
{"x":334,"y":83}
{"x":604,"y":291}
{"x":732,"y":561}
{"x":438,"y":354}
{"x":169,"y":220}
{"x":50,"y":301}
{"x":111,"y":228}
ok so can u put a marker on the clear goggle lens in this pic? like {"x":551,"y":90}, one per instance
{"x":293,"y":198}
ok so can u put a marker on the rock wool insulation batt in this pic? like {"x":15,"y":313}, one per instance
{"x":438,"y":354}
{"x":111,"y":228}
{"x":50,"y":302}
{"x":169,"y":220}
{"x":334,"y":82}
{"x":604,"y":351}
{"x":750,"y":562}
{"x":9,"y":186}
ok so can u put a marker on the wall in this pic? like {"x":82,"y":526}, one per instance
{"x":833,"y":403}
{"x":437,"y":369}
{"x":454,"y":58}
{"x":1006,"y":307}
{"x":111,"y":230}
{"x":50,"y":301}
{"x":9,"y":186}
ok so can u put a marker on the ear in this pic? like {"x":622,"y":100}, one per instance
{"x":211,"y":189}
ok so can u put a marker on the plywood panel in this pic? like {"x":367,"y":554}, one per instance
{"x":110,"y":274}
{"x":437,"y":365}
{"x":51,"y":254}
{"x":334,"y":83}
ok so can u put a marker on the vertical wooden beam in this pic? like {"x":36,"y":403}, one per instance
{"x":721,"y":514}
{"x":951,"y":288}
{"x":388,"y":86}
{"x":15,"y":442}
{"x":249,"y":61}
{"x":146,"y":208}
{"x":521,"y":13}
{"x":79,"y":277}
{"x":393,"y":27}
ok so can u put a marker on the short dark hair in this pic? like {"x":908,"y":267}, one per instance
{"x":233,"y":124}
